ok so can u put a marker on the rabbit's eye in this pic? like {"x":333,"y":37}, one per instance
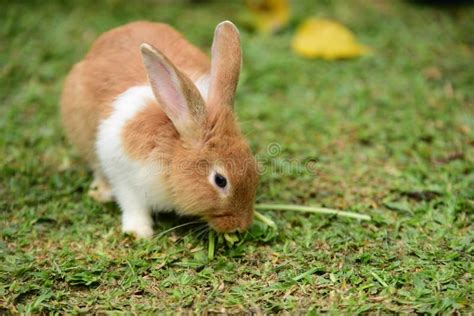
{"x":220,"y":180}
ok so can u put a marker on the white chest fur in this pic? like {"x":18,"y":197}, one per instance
{"x":136,"y":184}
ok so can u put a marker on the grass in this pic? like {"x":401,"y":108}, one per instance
{"x":390,"y":136}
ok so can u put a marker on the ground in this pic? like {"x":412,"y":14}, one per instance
{"x":390,"y":135}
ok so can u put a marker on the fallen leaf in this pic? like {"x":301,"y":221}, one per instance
{"x":327,"y":39}
{"x":268,"y":16}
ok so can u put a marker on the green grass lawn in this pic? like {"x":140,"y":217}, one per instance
{"x":389,"y":135}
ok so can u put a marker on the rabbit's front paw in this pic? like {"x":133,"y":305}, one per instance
{"x":140,"y":230}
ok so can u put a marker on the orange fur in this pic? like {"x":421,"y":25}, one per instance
{"x":226,"y":63}
{"x":149,"y":129}
{"x":114,"y":64}
{"x":222,"y":144}
{"x":150,"y":136}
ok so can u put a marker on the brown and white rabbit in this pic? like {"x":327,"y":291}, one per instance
{"x":153,"y":117}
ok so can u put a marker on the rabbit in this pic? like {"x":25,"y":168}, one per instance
{"x":153,"y":118}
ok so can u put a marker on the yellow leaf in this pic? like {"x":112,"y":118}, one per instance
{"x":268,"y":16}
{"x":327,"y":39}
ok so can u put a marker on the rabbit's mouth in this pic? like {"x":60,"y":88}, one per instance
{"x":228,"y":223}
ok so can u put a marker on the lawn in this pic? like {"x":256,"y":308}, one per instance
{"x":390,"y":135}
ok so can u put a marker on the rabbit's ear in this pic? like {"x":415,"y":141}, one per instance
{"x":175,"y":92}
{"x":226,"y":61}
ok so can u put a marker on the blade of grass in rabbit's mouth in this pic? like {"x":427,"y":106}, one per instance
{"x":233,"y":238}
